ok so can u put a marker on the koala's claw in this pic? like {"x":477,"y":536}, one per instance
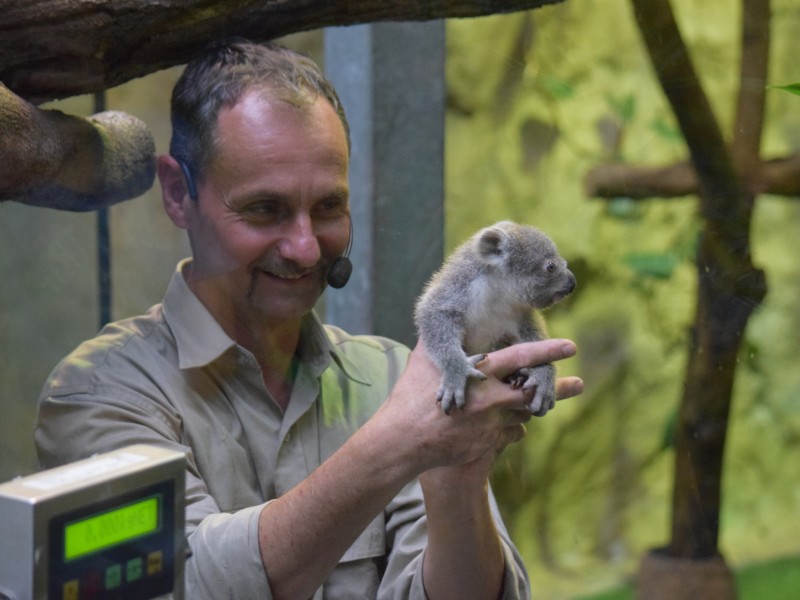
{"x":452,"y":389}
{"x":543,"y":386}
{"x":475,"y":359}
{"x":543,"y":399}
{"x":447,"y":397}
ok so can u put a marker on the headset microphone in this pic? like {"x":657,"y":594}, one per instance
{"x":339,"y":272}
{"x":341,"y":268}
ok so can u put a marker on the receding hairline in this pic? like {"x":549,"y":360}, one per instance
{"x":272,"y":95}
{"x":230,"y":70}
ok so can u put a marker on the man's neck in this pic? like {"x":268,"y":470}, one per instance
{"x":274,"y":348}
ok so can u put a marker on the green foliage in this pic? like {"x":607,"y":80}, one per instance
{"x":668,"y":434}
{"x":556,"y":87}
{"x":659,"y":265}
{"x":792,"y":88}
{"x":623,"y":208}
{"x":666,"y":130}
{"x":777,"y":580}
{"x":623,"y":107}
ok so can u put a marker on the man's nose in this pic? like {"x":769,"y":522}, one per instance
{"x":301,"y":243}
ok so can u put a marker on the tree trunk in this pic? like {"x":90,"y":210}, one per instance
{"x":56,"y":48}
{"x":729,"y":286}
{"x":664,"y":577}
{"x":729,"y":289}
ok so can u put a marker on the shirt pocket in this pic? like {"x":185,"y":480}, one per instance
{"x":370,"y":544}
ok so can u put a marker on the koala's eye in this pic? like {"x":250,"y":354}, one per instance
{"x":550,"y":267}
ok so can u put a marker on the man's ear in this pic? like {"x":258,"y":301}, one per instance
{"x":174,"y":191}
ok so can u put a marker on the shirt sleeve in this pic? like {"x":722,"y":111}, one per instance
{"x":407,"y":537}
{"x":224,"y":560}
{"x":516,"y":585}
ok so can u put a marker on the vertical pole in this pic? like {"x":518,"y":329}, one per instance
{"x":103,"y":244}
{"x":390,"y":78}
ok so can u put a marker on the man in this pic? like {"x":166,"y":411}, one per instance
{"x":319,"y":463}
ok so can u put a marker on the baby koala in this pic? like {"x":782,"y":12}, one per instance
{"x":484,"y":298}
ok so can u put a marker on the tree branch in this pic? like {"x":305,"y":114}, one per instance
{"x":779,"y":176}
{"x":618,"y":180}
{"x":60,"y":161}
{"x":678,"y":79}
{"x":56,"y":48}
{"x":752,"y":84}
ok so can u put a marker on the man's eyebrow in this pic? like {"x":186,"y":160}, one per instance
{"x":258,"y":195}
{"x":242,"y":202}
{"x":341,"y":193}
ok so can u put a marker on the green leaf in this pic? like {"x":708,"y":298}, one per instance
{"x":792,"y":88}
{"x":558,"y":88}
{"x":668,"y":433}
{"x":623,"y":208}
{"x":658,"y":266}
{"x":625,"y":107}
{"x":666,"y":130}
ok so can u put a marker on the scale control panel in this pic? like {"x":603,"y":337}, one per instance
{"x":111,"y":526}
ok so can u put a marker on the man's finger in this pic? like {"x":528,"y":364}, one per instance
{"x":505,"y":361}
{"x":567,"y":387}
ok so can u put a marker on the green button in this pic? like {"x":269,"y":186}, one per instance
{"x":134,"y":569}
{"x":113,"y":577}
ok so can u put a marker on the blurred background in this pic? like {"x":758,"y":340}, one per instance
{"x":535,"y":100}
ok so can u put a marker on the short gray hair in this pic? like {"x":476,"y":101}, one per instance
{"x":222,"y":75}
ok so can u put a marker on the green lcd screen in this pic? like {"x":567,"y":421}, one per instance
{"x":111,"y":527}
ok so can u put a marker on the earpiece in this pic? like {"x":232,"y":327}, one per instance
{"x":189,"y":180}
{"x":341,"y":268}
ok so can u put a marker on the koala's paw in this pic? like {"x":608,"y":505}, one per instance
{"x":542,"y":380}
{"x":449,"y":395}
{"x":517,"y":380}
{"x":453,"y":387}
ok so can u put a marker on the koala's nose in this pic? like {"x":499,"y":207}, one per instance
{"x":571,"y":283}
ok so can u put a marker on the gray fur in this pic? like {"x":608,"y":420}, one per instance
{"x":486,"y":296}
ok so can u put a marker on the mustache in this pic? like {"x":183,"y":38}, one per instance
{"x":280,"y":267}
{"x":287,"y":269}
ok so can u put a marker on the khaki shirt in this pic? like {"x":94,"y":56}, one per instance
{"x":173,"y":378}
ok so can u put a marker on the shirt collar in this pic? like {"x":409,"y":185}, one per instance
{"x":317,"y":351}
{"x":199,"y":338}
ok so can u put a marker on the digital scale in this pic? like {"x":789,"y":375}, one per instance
{"x":111,"y":526}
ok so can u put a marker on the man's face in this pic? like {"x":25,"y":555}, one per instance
{"x":272,"y":211}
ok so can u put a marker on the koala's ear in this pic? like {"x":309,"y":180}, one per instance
{"x":492,"y":245}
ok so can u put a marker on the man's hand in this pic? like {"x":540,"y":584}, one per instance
{"x":495,"y":412}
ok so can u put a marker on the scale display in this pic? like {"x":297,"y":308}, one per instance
{"x":108,"y":527}
{"x":112,"y":527}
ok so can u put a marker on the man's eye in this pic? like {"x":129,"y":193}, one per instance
{"x":333,"y":206}
{"x":266,"y":208}
{"x":262,"y":210}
